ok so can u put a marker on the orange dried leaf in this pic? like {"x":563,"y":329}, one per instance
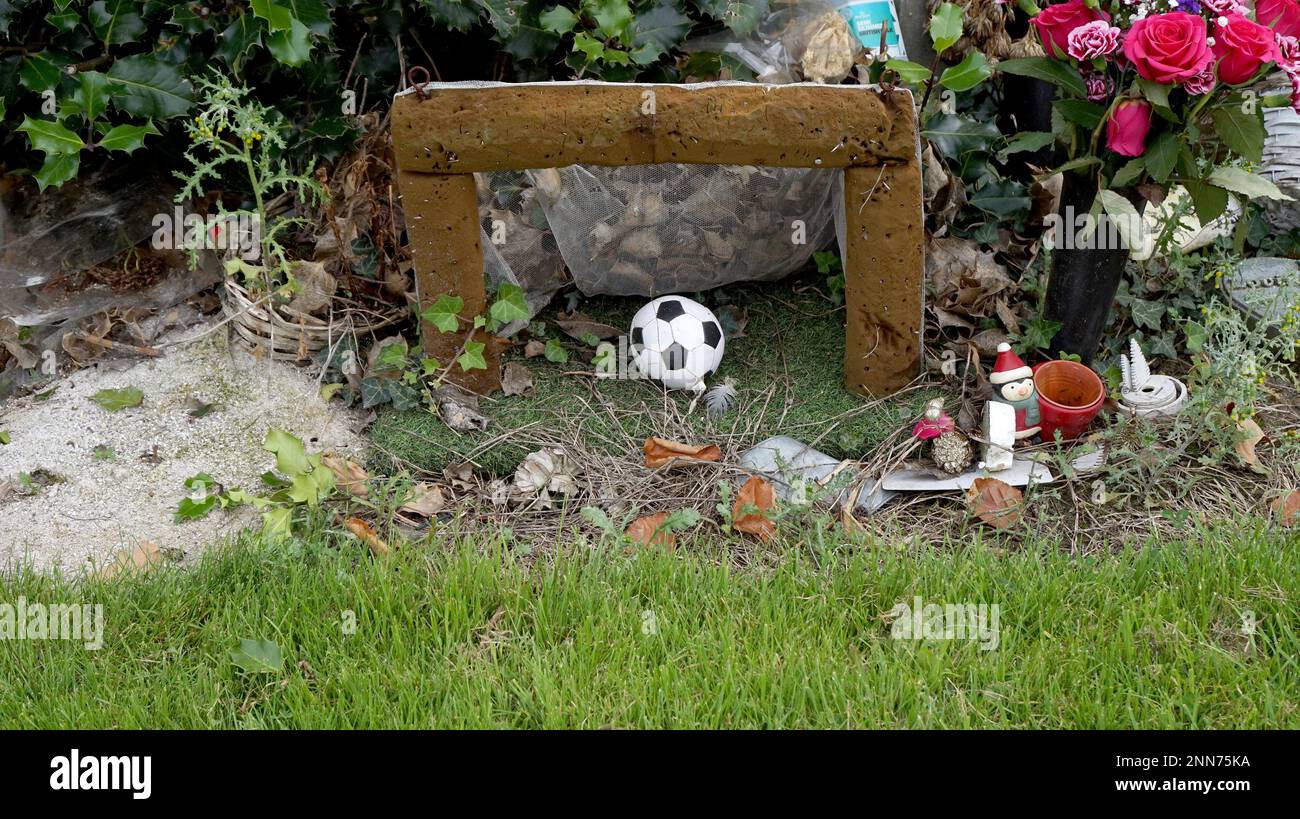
{"x":366,"y":535}
{"x":754,"y":503}
{"x":140,"y":559}
{"x":1251,"y":436}
{"x":1287,"y":508}
{"x":650,"y":531}
{"x":660,"y":452}
{"x":351,"y":477}
{"x":996,"y":502}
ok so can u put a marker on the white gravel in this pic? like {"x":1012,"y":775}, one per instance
{"x":99,"y":507}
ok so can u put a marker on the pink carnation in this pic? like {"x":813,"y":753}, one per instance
{"x":1099,"y":87}
{"x":1092,"y":40}
{"x":1222,"y":8}
{"x":1289,"y":51}
{"x":1201,"y":83}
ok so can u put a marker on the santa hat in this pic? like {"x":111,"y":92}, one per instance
{"x":1008,"y":367}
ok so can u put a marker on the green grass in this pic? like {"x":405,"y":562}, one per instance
{"x":1141,"y":639}
{"x":793,"y":337}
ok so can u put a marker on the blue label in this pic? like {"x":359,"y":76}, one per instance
{"x":865,"y":19}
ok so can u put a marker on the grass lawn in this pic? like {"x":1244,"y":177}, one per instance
{"x":589,"y":636}
{"x":794,"y":339}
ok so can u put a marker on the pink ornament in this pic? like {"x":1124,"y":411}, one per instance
{"x":1092,"y":40}
{"x":934,"y":422}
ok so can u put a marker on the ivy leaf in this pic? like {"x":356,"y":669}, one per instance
{"x":945,"y":27}
{"x":443,"y":314}
{"x":472,"y":358}
{"x":150,"y":88}
{"x":510,"y":305}
{"x":555,"y":351}
{"x":290,"y":454}
{"x":190,"y":509}
{"x":115,"y":21}
{"x":258,"y":656}
{"x":117,"y":400}
{"x":126,"y":137}
{"x":291,"y":47}
{"x":57,"y":169}
{"x":1147,"y":314}
{"x":51,"y":137}
{"x":1243,"y":133}
{"x":966,"y":74}
{"x":558,"y":19}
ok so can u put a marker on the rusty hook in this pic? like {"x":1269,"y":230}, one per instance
{"x":418,"y":86}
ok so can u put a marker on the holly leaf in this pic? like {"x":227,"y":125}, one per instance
{"x":558,"y":19}
{"x":1043,"y":68}
{"x":51,"y":137}
{"x":115,"y":21}
{"x":91,"y":97}
{"x":956,"y":135}
{"x":909,"y":72}
{"x":656,"y":31}
{"x":57,"y":169}
{"x":38,"y":74}
{"x":945,"y":27}
{"x":291,"y":47}
{"x":290,"y":454}
{"x":277,"y":17}
{"x":126,"y":137}
{"x":242,"y":34}
{"x":150,"y":88}
{"x":612,"y":17}
{"x":1026,"y":141}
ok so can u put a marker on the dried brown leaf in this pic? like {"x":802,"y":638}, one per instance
{"x":426,"y":500}
{"x":650,"y":531}
{"x":751,"y":511}
{"x":1287,"y":508}
{"x":362,"y":531}
{"x":517,"y":380}
{"x":140,"y":559}
{"x":996,"y":502}
{"x":1251,"y":436}
{"x":351,"y":477}
{"x":579,"y":326}
{"x":660,"y":452}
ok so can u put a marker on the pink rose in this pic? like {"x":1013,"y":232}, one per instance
{"x":1202,"y":83}
{"x":1128,"y":126}
{"x":1242,"y":46}
{"x":1283,"y":16}
{"x":1055,"y":23}
{"x":1091,"y":40}
{"x":1099,"y":86}
{"x":1166,"y":48}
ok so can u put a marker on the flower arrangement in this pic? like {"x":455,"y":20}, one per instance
{"x":1163,"y":91}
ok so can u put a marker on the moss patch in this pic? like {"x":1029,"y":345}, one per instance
{"x":793,"y":337}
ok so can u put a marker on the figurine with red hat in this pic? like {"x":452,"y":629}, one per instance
{"x":1013,"y":383}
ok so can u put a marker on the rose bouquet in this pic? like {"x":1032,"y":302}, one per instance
{"x":1165,"y":92}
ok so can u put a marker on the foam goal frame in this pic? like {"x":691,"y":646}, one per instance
{"x":443,"y":133}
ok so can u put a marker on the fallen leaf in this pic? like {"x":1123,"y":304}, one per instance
{"x":660,"y":452}
{"x":650,"y":531}
{"x":426,"y":500}
{"x":1251,"y":436}
{"x":197,"y":407}
{"x":534,"y":348}
{"x":580,"y":326}
{"x":140,"y":559}
{"x":366,"y":535}
{"x":517,"y":380}
{"x":315,"y":287}
{"x":351,"y":476}
{"x":754,"y":502}
{"x":1287,"y":508}
{"x":996,"y":502}
{"x":115,"y":400}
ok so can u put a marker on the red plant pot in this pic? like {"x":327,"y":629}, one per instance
{"x":1070,"y":395}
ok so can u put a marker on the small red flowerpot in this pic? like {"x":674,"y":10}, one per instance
{"x":1070,"y":395}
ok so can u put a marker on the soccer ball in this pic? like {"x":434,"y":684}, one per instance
{"x":677,"y":342}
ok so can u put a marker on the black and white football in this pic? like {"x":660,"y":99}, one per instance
{"x":677,"y":342}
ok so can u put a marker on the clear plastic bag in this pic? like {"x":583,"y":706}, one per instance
{"x":646,"y":230}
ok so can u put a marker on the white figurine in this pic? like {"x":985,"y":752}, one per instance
{"x":1143,"y":394}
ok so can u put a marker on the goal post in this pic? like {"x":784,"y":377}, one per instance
{"x":443,"y":133}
